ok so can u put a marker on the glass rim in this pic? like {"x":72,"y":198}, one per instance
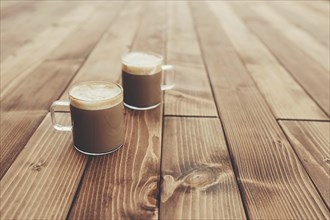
{"x":161,"y":58}
{"x":95,"y":81}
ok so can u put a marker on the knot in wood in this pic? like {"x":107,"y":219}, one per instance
{"x":38,"y":166}
{"x":201,"y":177}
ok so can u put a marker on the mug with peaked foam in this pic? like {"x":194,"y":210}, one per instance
{"x":97,"y":117}
{"x":142,"y":76}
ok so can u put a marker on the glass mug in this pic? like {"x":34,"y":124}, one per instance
{"x":142,"y":75}
{"x":97,"y":116}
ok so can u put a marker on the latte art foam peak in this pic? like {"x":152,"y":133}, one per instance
{"x":95,"y":95}
{"x":139,"y":63}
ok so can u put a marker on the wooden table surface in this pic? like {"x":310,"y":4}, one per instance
{"x":243,"y":135}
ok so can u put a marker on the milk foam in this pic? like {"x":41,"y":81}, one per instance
{"x":95,"y":95}
{"x":140,"y":63}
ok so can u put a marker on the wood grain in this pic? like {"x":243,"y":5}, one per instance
{"x":311,"y":141}
{"x":267,"y":167}
{"x":104,"y":62}
{"x":315,"y":25}
{"x":198,"y":181}
{"x":285,"y":97}
{"x":16,"y":129}
{"x":14,"y":68}
{"x":30,"y":18}
{"x":192,"y":94}
{"x":295,"y":61}
{"x":306,"y":43}
{"x":126,"y":182}
{"x":42,"y":181}
{"x":25,"y":106}
{"x":42,"y":86}
{"x":81,"y":42}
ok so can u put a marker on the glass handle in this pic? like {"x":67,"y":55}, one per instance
{"x":169,"y":77}
{"x":57,"y":126}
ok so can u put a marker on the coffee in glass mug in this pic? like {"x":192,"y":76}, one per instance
{"x":97,"y":117}
{"x":142,"y":76}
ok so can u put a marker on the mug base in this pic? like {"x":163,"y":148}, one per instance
{"x":141,"y":108}
{"x":98,"y":154}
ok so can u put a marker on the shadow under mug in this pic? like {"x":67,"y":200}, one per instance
{"x":97,"y":125}
{"x":142,"y":80}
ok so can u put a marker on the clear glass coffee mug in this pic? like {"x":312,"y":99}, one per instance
{"x":97,"y":116}
{"x":142,"y":76}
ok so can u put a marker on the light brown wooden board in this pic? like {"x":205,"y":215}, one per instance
{"x":198,"y":181}
{"x":16,"y":129}
{"x":306,"y":42}
{"x":25,"y":106}
{"x":41,"y":182}
{"x":127,"y":180}
{"x":192,"y":94}
{"x":311,"y":142}
{"x":41,"y":87}
{"x":29,"y":18}
{"x":15,"y":68}
{"x":285,"y":97}
{"x":269,"y":173}
{"x":315,"y":25}
{"x":81,"y":42}
{"x":313,"y":78}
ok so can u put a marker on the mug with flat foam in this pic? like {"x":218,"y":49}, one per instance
{"x":142,"y":76}
{"x":97,"y":117}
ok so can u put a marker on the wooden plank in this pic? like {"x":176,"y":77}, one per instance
{"x":45,"y":176}
{"x":295,"y":61}
{"x":198,"y":179}
{"x":126,"y":181}
{"x":273,"y":183}
{"x":192,"y":94}
{"x":285,"y":97}
{"x":315,"y":25}
{"x":104,"y":62}
{"x":42,"y":86}
{"x":311,"y":141}
{"x":40,"y":183}
{"x":14,"y":68}
{"x":30,"y":18}
{"x":31,"y":100}
{"x":80,"y":43}
{"x":16,"y":129}
{"x":306,"y":43}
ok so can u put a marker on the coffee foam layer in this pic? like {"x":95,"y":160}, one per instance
{"x":139,"y":63}
{"x":95,"y":95}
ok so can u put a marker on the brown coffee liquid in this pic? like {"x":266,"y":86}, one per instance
{"x":98,"y":131}
{"x":142,"y":90}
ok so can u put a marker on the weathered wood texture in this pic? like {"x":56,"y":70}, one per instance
{"x":268,"y":169}
{"x":31,"y":103}
{"x":198,"y":181}
{"x":311,"y":142}
{"x":314,"y":23}
{"x":15,"y":68}
{"x":126,"y":182}
{"x":43,"y":180}
{"x":314,"y":79}
{"x":275,"y":83}
{"x":30,"y":18}
{"x":192,"y":94}
{"x":306,"y":43}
